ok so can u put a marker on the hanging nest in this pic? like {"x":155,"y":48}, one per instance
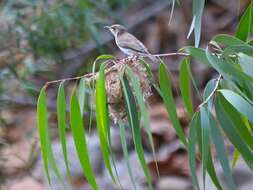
{"x":115,"y":96}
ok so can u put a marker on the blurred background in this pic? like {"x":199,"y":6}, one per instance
{"x":43,"y":40}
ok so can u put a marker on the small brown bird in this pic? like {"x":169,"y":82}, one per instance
{"x":128,"y":43}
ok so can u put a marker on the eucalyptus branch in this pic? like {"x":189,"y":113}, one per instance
{"x":213,"y":91}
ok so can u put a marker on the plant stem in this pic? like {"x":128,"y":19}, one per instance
{"x":171,"y":54}
{"x":212,"y":93}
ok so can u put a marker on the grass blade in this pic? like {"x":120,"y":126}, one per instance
{"x":78,"y":133}
{"x":135,"y":126}
{"x":185,"y":85}
{"x":166,"y":92}
{"x":61,"y":119}
{"x":102,"y":118}
{"x":81,"y":95}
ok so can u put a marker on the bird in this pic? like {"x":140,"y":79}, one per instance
{"x":128,"y":43}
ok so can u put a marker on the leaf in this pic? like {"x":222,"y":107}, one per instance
{"x":185,"y":85}
{"x":245,"y":26}
{"x":221,"y":152}
{"x":135,"y":126}
{"x":144,"y":112}
{"x":239,"y":124}
{"x":229,"y":129}
{"x":125,"y":152}
{"x":81,"y":94}
{"x":61,"y":118}
{"x":78,"y":133}
{"x":227,"y":70}
{"x":172,"y":10}
{"x":166,"y":92}
{"x":236,"y":156}
{"x":197,"y":10}
{"x":210,"y":167}
{"x":102,"y":117}
{"x":205,"y":125}
{"x":43,"y":129}
{"x":191,"y":148}
{"x":239,"y":103}
{"x":198,"y":53}
{"x":246,"y":63}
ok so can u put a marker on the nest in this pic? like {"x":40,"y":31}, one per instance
{"x":115,"y":95}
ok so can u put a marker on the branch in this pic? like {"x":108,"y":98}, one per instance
{"x":171,"y":54}
{"x":212,"y":93}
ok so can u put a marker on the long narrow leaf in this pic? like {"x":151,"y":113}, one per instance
{"x":135,"y":126}
{"x":78,"y":133}
{"x":61,"y":118}
{"x":81,"y":95}
{"x":102,"y":118}
{"x":221,"y":152}
{"x":185,"y":85}
{"x":165,"y":85}
{"x":144,"y":112}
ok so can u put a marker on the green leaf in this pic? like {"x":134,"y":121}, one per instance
{"x":228,"y":40}
{"x":102,"y":118}
{"x":229,"y":129}
{"x":135,"y":126}
{"x":166,"y":92}
{"x":198,"y":54}
{"x":246,"y":63}
{"x":125,"y":152}
{"x":239,"y":103}
{"x":226,"y":69}
{"x":221,"y":152}
{"x":245,"y":26}
{"x":197,"y":10}
{"x":144,"y":112}
{"x":210,"y":167}
{"x":240,"y":126}
{"x":205,"y":125}
{"x":61,"y":118}
{"x":43,"y":129}
{"x":78,"y":133}
{"x":81,"y":94}
{"x":236,"y":156}
{"x":185,"y":85}
{"x":191,"y":148}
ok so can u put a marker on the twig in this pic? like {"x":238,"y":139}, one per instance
{"x":212,"y":93}
{"x":171,"y":54}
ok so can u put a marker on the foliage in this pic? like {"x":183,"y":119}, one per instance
{"x":227,"y":108}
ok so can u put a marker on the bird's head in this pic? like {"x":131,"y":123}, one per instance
{"x":116,"y":29}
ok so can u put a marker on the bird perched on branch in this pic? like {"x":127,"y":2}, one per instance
{"x":128,"y":43}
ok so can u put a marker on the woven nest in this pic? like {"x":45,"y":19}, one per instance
{"x":115,"y":96}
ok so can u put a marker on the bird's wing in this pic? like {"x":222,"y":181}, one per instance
{"x":128,"y":41}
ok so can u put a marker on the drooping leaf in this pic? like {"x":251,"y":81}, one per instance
{"x":192,"y":146}
{"x":197,"y":10}
{"x":125,"y":152}
{"x":144,"y":112}
{"x":205,"y":128}
{"x":166,"y":92}
{"x":43,"y":125}
{"x":135,"y":126}
{"x":245,"y":26}
{"x":239,"y":103}
{"x":198,"y":54}
{"x":78,"y":133}
{"x":246,"y":63}
{"x":102,"y":117}
{"x":61,"y":118}
{"x":221,"y":151}
{"x":229,"y":129}
{"x":185,"y":85}
{"x":81,"y":94}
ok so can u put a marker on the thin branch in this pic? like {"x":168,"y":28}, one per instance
{"x":212,"y":93}
{"x":171,"y":54}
